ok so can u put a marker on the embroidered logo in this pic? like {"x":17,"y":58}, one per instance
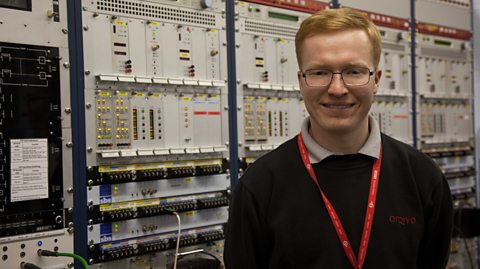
{"x":403,"y":220}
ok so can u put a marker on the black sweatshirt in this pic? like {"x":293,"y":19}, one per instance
{"x":278,"y":218}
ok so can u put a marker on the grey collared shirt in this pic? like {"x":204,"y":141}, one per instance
{"x":317,"y":153}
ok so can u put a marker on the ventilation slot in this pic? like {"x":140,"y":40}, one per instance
{"x":159,"y":12}
{"x":270,"y":28}
{"x":390,"y":46}
{"x":457,"y":3}
{"x":443,"y":53}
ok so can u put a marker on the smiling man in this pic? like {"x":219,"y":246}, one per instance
{"x":340,"y":194}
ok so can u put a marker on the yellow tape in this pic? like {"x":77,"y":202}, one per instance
{"x":150,"y":166}
{"x":128,"y":205}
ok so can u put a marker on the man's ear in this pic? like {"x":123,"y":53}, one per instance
{"x":299,"y":76}
{"x":377,"y":76}
{"x":300,"y":81}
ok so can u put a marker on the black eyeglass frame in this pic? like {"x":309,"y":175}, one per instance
{"x":370,"y":73}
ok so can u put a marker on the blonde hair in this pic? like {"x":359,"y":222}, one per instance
{"x":331,"y":20}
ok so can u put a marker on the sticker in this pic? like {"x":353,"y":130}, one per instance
{"x":105,"y":232}
{"x":120,"y":23}
{"x":105,"y":194}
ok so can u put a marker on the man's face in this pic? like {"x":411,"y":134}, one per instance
{"x":338,"y":108}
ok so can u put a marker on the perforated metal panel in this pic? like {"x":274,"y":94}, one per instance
{"x":159,"y":12}
{"x":455,"y":3}
{"x":459,"y":55}
{"x":269,"y":28}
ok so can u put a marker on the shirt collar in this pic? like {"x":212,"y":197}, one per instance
{"x":317,"y":153}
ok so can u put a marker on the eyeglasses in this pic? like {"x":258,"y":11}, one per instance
{"x":353,"y":76}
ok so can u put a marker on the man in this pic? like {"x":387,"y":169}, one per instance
{"x":340,"y":194}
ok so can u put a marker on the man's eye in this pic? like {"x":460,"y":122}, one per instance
{"x":354,"y":71}
{"x":320,"y":73}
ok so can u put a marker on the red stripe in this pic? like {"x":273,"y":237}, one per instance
{"x":200,"y":113}
{"x":213,"y":113}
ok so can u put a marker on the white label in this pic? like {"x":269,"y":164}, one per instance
{"x":29,"y":169}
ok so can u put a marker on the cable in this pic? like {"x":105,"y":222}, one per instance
{"x":75,"y":256}
{"x":459,"y":209}
{"x":467,"y":248}
{"x":197,"y":251}
{"x":43,"y":252}
{"x":179,"y":222}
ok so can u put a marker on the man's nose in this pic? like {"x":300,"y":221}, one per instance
{"x":337,"y":86}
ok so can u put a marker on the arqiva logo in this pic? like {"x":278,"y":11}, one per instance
{"x":402,"y":220}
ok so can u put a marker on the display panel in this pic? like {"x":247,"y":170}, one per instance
{"x":17,"y":4}
{"x":31,"y":148}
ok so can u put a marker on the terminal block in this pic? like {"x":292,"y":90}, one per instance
{"x":99,"y":175}
{"x":155,"y":207}
{"x":104,"y":252}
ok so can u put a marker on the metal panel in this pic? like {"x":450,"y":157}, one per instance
{"x":391,"y":8}
{"x":443,"y":14}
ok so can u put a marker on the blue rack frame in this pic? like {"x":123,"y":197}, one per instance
{"x":232,"y":92}
{"x":75,"y":42}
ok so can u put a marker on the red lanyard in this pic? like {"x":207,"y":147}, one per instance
{"x":367,"y":226}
